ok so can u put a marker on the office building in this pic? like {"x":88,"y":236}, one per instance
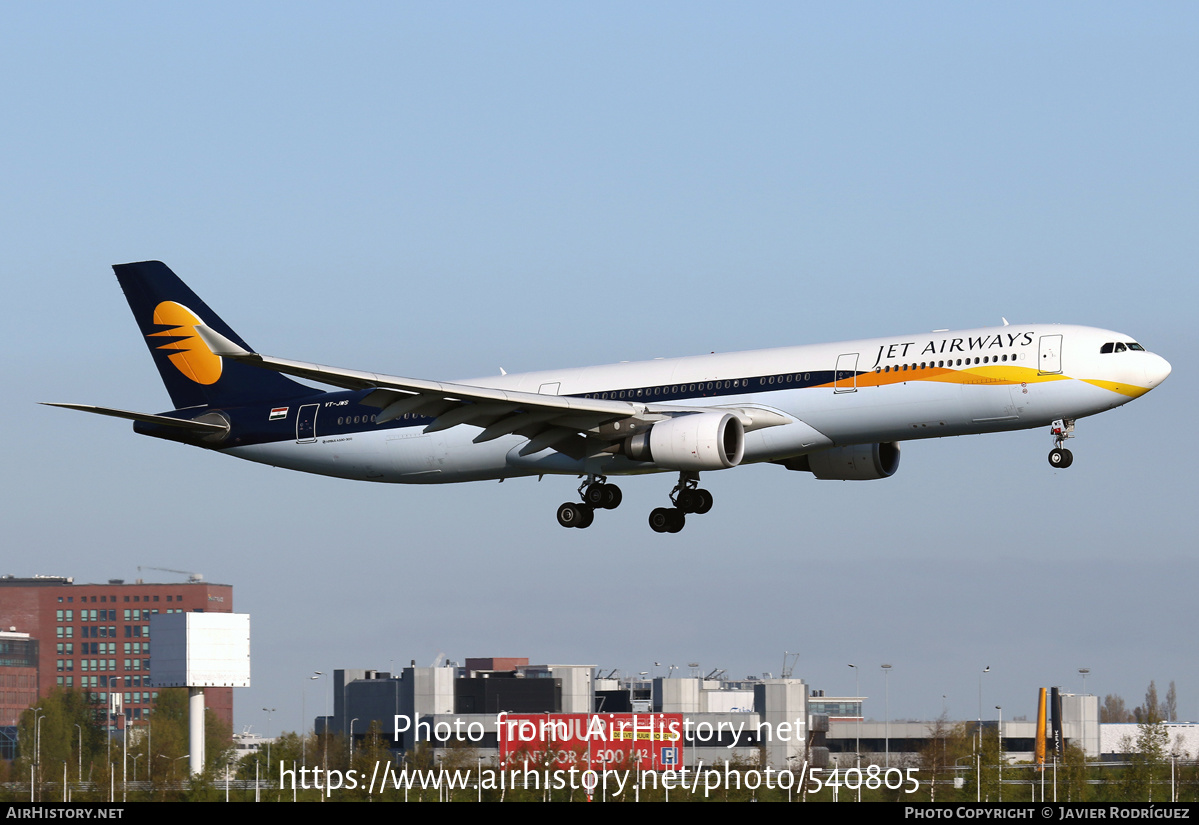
{"x":96,"y":638}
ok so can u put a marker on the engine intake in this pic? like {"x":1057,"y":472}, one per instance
{"x":694,"y":442}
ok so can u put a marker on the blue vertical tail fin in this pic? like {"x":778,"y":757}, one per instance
{"x":167,"y":312}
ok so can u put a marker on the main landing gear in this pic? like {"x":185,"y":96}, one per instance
{"x":1061,"y":429}
{"x":596,"y":495}
{"x":687,"y":497}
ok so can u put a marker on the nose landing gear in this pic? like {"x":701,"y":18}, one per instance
{"x":1059,"y":456}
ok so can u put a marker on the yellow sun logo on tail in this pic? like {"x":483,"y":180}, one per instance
{"x":188,"y":353}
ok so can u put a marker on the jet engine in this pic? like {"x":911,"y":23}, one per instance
{"x":859,"y":462}
{"x":693,"y":442}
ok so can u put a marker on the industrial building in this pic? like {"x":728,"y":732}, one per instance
{"x":776,"y":720}
{"x":717,"y":719}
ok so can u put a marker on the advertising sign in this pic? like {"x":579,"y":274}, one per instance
{"x":612,"y":741}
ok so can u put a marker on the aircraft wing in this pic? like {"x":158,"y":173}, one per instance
{"x":547,"y":420}
{"x":556,"y":421}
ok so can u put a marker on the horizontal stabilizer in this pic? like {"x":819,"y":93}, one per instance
{"x":164,"y":420}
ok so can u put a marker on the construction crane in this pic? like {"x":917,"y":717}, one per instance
{"x":192,"y":578}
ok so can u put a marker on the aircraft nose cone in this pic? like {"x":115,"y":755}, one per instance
{"x":1156,"y":370}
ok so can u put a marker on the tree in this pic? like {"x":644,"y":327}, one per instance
{"x":1073,"y":772}
{"x":1170,"y":709}
{"x":1147,"y":754}
{"x":63,"y":718}
{"x":948,"y":745}
{"x":167,"y":736}
{"x":1146,"y":761}
{"x":371,"y":752}
{"x":1151,"y":711}
{"x":990,"y":755}
{"x":1113,"y":710}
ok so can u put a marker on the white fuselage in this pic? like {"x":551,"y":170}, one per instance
{"x":856,"y":392}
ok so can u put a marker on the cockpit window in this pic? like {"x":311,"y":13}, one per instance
{"x":1106,"y":348}
{"x":1135,"y":347}
{"x":1120,"y":347}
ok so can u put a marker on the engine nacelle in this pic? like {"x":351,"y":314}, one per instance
{"x":695,"y":442}
{"x":859,"y":462}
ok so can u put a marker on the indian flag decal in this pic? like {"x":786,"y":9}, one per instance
{"x":278,"y":414}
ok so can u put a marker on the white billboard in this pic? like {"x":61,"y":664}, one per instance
{"x":200,"y":649}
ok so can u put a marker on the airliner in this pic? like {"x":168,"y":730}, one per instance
{"x":837,"y":411}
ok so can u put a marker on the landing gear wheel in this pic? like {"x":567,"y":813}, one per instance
{"x":667,"y":520}
{"x":687,"y":501}
{"x":660,"y":519}
{"x":1061,"y":457}
{"x":601,"y":496}
{"x":677,"y":521}
{"x":696,"y":501}
{"x":575,"y":515}
{"x":594,"y":494}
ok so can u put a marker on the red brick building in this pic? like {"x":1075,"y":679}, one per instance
{"x":96,"y":637}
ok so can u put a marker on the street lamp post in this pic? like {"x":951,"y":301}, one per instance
{"x":80,"y":729}
{"x":172,"y":761}
{"x":857,"y":693}
{"x":1000,"y":753}
{"x":304,"y":711}
{"x":325,"y":751}
{"x":1082,"y":711}
{"x":269,"y":712}
{"x":887,"y":697}
{"x":35,"y":771}
{"x":978,"y":736}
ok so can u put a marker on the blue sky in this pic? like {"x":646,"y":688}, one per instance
{"x":441,"y":190}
